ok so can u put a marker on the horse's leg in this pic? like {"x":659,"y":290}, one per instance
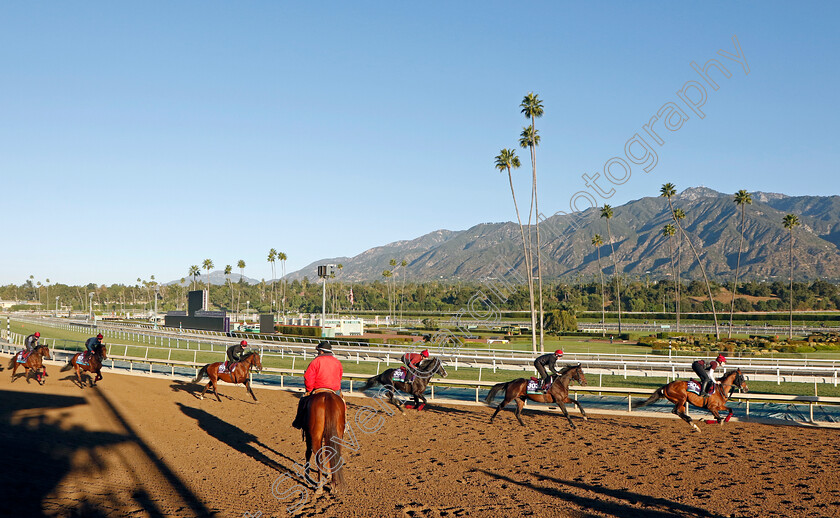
{"x":248,"y":386}
{"x":14,"y":370}
{"x":679,"y":409}
{"x":201,"y":396}
{"x":501,"y":406}
{"x":213,"y":381}
{"x":520,"y":404}
{"x":565,"y":412}
{"x":79,"y":376}
{"x":394,"y":401}
{"x":577,"y":404}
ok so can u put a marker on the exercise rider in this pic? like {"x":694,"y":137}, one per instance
{"x":324,"y":372}
{"x":547,"y":361}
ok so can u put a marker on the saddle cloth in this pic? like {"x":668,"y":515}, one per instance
{"x":223,"y":370}
{"x":399,"y":375}
{"x":22,"y":356}
{"x":534,"y":387}
{"x":694,"y":387}
{"x":83,"y":359}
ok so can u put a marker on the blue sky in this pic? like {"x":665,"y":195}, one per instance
{"x":141,"y":138}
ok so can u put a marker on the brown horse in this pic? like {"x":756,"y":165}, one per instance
{"x":323,"y":431}
{"x":239,"y":374}
{"x":34,"y":363}
{"x":557,"y":393}
{"x":677,"y":393}
{"x":94,"y":364}
{"x":416,"y":387}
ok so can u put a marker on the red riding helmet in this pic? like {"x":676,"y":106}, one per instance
{"x":99,"y":336}
{"x":425,"y":353}
{"x":243,"y":342}
{"x":721,"y":359}
{"x":37,"y":334}
{"x":559,"y":352}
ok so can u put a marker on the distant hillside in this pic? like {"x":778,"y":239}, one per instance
{"x":712,"y":224}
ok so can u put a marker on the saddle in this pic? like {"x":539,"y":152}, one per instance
{"x":84,"y":359}
{"x":227,"y":367}
{"x":22,"y":356}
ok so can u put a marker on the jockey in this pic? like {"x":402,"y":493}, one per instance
{"x":235,"y":352}
{"x":412,"y":362}
{"x":92,"y":343}
{"x":706,"y":372}
{"x":547,"y":360}
{"x":324,"y":372}
{"x":31,"y":342}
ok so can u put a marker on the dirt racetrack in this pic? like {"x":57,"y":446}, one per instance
{"x":138,"y":446}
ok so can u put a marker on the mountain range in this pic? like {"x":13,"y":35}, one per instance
{"x":712,"y":224}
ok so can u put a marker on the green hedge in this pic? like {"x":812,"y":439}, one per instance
{"x":298,"y":331}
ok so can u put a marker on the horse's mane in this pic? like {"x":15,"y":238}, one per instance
{"x":730,"y":373}
{"x":246,"y":355}
{"x":567,"y":368}
{"x":429,"y":361}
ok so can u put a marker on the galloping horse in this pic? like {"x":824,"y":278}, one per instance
{"x":416,"y":387}
{"x":677,"y":393}
{"x":239,"y":374}
{"x":94,"y":364}
{"x":323,"y":430}
{"x":34,"y":363}
{"x":557,"y":393}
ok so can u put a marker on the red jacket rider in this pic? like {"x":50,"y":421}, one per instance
{"x":325,"y":371}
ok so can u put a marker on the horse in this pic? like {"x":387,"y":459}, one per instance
{"x":558,"y":392}
{"x":34,"y":363}
{"x":323,"y":431}
{"x":239,"y":374}
{"x":416,"y":387}
{"x":94,"y":364}
{"x":677,"y":392}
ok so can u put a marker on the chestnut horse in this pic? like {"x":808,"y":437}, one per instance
{"x":677,"y":393}
{"x":323,"y":431}
{"x":94,"y":364}
{"x":557,"y":393}
{"x":34,"y":363}
{"x":239,"y":374}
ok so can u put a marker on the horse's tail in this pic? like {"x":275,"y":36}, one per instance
{"x":201,"y":374}
{"x":493,"y":391}
{"x":68,"y":365}
{"x":371,"y":382}
{"x":12,"y":361}
{"x":656,"y":396}
{"x":331,"y":440}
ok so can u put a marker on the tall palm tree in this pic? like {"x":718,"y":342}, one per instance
{"x":272,"y":257}
{"x":505,"y":161}
{"x":532,"y":107}
{"x":790,"y":221}
{"x":228,"y":271}
{"x":241,"y":265}
{"x":208,"y":265}
{"x":281,"y":256}
{"x":194,"y":272}
{"x":387,"y":274}
{"x":597,"y":241}
{"x":607,"y":213}
{"x":403,"y":264}
{"x":742,"y":199}
{"x":668,"y":231}
{"x":679,"y":215}
{"x":667,"y":191}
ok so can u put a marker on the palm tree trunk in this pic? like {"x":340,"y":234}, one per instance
{"x":702,"y":270}
{"x":737,"y":269}
{"x":539,"y":261}
{"x":603,"y":310}
{"x":615,"y":275}
{"x":527,"y":266}
{"x":790,"y":333}
{"x":671,"y":257}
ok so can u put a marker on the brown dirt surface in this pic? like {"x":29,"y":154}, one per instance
{"x":138,"y":446}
